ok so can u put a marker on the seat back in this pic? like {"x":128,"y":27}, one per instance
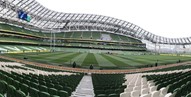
{"x":146,"y":95}
{"x":153,"y":88}
{"x":125,"y":94}
{"x":44,"y":94}
{"x":62,"y":93}
{"x":155,"y":94}
{"x":135,"y":93}
{"x":145,"y":91}
{"x":163,"y":92}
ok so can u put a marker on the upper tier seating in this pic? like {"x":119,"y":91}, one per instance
{"x":79,"y":35}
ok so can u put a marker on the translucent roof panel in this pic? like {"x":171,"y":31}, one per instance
{"x":47,"y":19}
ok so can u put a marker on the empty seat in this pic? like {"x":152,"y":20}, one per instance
{"x":137,"y":88}
{"x":113,"y":95}
{"x":188,"y":95}
{"x":43,"y":88}
{"x":144,"y":86}
{"x":109,"y":91}
{"x":62,"y":93}
{"x":130,"y":85}
{"x":20,"y":94}
{"x":16,"y":84}
{"x":54,"y":96}
{"x":102,"y":95}
{"x":58,"y":87}
{"x":145,"y":91}
{"x":151,"y":84}
{"x":44,"y":94}
{"x":148,"y":82}
{"x":3,"y":86}
{"x":68,"y":89}
{"x":118,"y":91}
{"x":129,"y":89}
{"x":168,"y":95}
{"x":11,"y":91}
{"x":155,"y":94}
{"x":52,"y":91}
{"x":144,"y":80}
{"x":33,"y":92}
{"x":135,"y":93}
{"x":146,"y":95}
{"x":25,"y":88}
{"x":125,"y":94}
{"x":153,"y":88}
{"x":163,"y":92}
{"x":1,"y":95}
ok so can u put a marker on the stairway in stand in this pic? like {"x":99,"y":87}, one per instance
{"x":85,"y":87}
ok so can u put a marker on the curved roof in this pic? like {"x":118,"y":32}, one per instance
{"x":45,"y":19}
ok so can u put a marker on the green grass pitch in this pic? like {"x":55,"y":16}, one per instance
{"x":99,"y":60}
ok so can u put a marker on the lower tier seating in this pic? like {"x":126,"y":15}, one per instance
{"x":18,"y":82}
{"x":108,"y":85}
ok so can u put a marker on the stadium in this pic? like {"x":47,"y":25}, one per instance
{"x":45,"y":53}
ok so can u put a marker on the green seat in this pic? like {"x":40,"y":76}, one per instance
{"x":4,"y":77}
{"x":102,"y":95}
{"x":25,"y":81}
{"x":11,"y":91}
{"x":34,"y":85}
{"x":177,"y":92}
{"x":24,"y":88}
{"x":1,"y":95}
{"x":62,"y":93}
{"x":35,"y":81}
{"x":69,"y":90}
{"x":20,"y":79}
{"x":43,"y":88}
{"x":52,"y":91}
{"x":44,"y":94}
{"x":188,"y":95}
{"x":118,"y":91}
{"x":16,"y":84}
{"x":113,"y":95}
{"x":20,"y":93}
{"x":50,"y":85}
{"x":3,"y":86}
{"x":62,"y":84}
{"x":33,"y":92}
{"x":109,"y":91}
{"x":10,"y":80}
{"x":99,"y":92}
{"x":42,"y":83}
{"x":54,"y":96}
{"x":58,"y":87}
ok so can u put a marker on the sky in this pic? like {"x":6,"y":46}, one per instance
{"x":167,"y":18}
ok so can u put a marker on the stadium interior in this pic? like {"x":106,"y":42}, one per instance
{"x":44,"y":53}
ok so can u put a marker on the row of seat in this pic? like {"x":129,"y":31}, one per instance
{"x":137,"y":86}
{"x":173,"y":84}
{"x":181,"y":67}
{"x":108,"y":85}
{"x":34,"y":85}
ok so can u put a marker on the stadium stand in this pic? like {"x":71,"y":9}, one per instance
{"x":173,"y":83}
{"x":20,"y":81}
{"x":55,"y":54}
{"x":108,"y":85}
{"x":13,"y":34}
